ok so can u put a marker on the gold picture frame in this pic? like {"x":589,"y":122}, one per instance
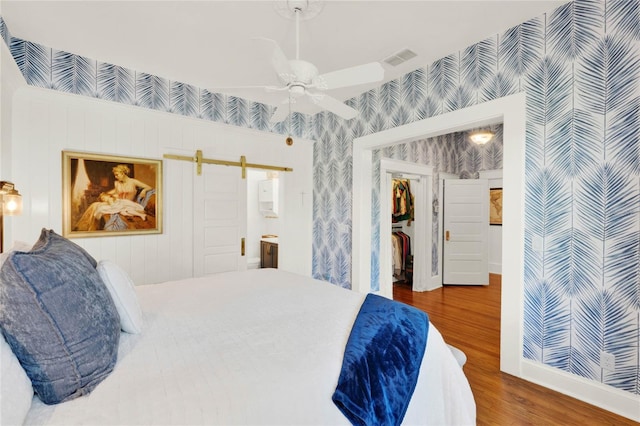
{"x":495,"y":206}
{"x":109,"y":195}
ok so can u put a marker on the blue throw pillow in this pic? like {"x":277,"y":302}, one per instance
{"x":58,"y":317}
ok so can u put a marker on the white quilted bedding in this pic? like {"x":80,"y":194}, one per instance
{"x":256,"y":347}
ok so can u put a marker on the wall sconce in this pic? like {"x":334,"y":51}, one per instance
{"x":10,"y":205}
{"x":481,"y":137}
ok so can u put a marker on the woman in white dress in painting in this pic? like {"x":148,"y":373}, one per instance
{"x":109,"y":204}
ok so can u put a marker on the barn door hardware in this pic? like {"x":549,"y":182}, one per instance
{"x":199,"y":160}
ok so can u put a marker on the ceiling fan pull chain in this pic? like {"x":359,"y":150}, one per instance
{"x":297,"y":32}
{"x":289,"y":140}
{"x":289,"y":113}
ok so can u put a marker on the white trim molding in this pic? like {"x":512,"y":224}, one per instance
{"x":511,"y":111}
{"x":422,"y":224}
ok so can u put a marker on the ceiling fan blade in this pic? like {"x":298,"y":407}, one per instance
{"x":268,"y":89}
{"x":279,"y":61}
{"x":333,"y":105}
{"x":360,"y":74}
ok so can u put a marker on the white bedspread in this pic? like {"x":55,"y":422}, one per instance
{"x":256,"y":347}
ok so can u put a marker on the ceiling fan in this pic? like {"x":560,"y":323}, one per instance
{"x":302,"y":81}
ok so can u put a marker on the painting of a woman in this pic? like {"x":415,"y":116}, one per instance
{"x":495,"y":206}
{"x":108,"y":196}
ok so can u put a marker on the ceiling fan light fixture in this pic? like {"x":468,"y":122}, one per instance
{"x":481,"y":137}
{"x":303,"y":71}
{"x":305,"y":9}
{"x":301,"y":78}
{"x":296,"y":90}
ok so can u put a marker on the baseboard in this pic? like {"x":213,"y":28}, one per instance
{"x":436,"y":282}
{"x":495,"y":268}
{"x":617,"y":401}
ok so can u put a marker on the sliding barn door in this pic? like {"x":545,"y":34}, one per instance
{"x":466,"y":232}
{"x":220,"y":220}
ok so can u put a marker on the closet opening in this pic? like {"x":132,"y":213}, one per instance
{"x":402,"y":235}
{"x":419,"y":178}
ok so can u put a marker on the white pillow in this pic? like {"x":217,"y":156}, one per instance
{"x":15,"y":387}
{"x":124,"y":295}
{"x":16,"y":391}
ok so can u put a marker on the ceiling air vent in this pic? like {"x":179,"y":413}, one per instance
{"x":399,"y":57}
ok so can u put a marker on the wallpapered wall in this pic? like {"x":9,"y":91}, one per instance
{"x":580,"y":68}
{"x":49,"y":68}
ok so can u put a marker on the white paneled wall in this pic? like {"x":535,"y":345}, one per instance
{"x":46,"y":122}
{"x":12,"y":79}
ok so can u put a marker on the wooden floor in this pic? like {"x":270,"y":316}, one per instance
{"x":469,"y":318}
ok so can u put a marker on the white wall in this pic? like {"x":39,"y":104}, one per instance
{"x":46,"y":122}
{"x":12,"y":80}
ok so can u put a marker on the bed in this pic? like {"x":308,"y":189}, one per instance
{"x":255,"y":347}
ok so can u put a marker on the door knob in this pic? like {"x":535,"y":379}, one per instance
{"x":446,"y":235}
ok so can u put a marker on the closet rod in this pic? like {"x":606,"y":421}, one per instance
{"x":406,"y":176}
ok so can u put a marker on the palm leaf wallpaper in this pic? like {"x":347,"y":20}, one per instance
{"x":184,"y":99}
{"x":73,"y":73}
{"x":115,"y":84}
{"x":580,"y":68}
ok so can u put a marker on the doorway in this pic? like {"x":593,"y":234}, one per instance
{"x":511,"y":111}
{"x":295,"y":192}
{"x":421,"y":184}
{"x":263,"y":216}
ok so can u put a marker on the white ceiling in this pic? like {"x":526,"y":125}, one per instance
{"x":209,"y":43}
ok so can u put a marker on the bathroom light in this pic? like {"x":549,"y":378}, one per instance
{"x":481,"y":137}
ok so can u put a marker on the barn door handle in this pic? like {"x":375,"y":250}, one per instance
{"x":241,"y":246}
{"x":446,"y":235}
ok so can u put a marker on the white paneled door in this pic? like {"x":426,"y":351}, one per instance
{"x":466,"y":232}
{"x":220,"y":220}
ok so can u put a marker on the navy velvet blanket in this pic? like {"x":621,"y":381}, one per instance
{"x":381,"y":362}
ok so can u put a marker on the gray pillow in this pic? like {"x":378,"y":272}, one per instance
{"x":58,"y":317}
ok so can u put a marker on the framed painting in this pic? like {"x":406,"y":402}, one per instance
{"x":108,"y":195}
{"x":495,"y":206}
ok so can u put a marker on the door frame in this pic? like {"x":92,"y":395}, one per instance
{"x":439,"y":279}
{"x":509,"y":110}
{"x":422,"y":222}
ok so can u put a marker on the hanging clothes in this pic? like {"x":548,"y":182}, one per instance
{"x":402,"y":201}
{"x":402,"y":259}
{"x":396,"y":246}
